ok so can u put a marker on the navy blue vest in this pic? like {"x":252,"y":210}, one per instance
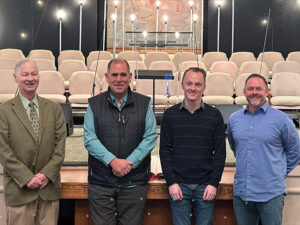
{"x":120,"y":131}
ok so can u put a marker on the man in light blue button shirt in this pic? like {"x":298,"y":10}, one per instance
{"x":265,"y":143}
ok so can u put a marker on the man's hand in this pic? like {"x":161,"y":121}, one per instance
{"x":175,"y":192}
{"x":210,"y":193}
{"x":43,"y":179}
{"x":38,"y":181}
{"x":120,"y":167}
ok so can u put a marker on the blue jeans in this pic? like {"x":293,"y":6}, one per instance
{"x":192,"y":198}
{"x":249,"y":213}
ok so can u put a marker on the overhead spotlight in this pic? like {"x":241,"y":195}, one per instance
{"x":82,"y":2}
{"x":264,"y":22}
{"x":157,"y":3}
{"x":145,"y":34}
{"x":40,"y":3}
{"x":132,"y":17}
{"x":23,"y":35}
{"x":219,"y":2}
{"x":113,"y":17}
{"x":195,"y":17}
{"x":191,"y":3}
{"x":61,"y":15}
{"x":165,"y":18}
{"x":116,"y":2}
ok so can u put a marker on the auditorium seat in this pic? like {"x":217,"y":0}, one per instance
{"x":270,"y":58}
{"x":101,"y":67}
{"x":52,"y":86}
{"x":294,"y":56}
{"x":188,"y":64}
{"x":93,"y":56}
{"x":41,"y":54}
{"x":133,"y":66}
{"x":163,"y":65}
{"x":156,"y":56}
{"x":130,"y":56}
{"x":255,"y":67}
{"x":81,"y":86}
{"x":225,"y":67}
{"x":45,"y":64}
{"x":240,"y":57}
{"x":210,"y":57}
{"x":11,"y":53}
{"x":286,"y":66}
{"x":8,"y":63}
{"x":67,"y":67}
{"x":285,"y":90}
{"x":70,"y":55}
{"x":219,"y":89}
{"x":181,"y":57}
{"x":8,"y":87}
{"x":239,"y":89}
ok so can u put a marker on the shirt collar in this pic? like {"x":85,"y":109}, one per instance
{"x":182,"y":106}
{"x":113,"y":99}
{"x":26,"y":101}
{"x":264,"y":107}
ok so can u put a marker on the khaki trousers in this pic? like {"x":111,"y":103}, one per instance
{"x":38,"y":212}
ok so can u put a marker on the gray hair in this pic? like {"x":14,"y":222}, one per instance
{"x":118,"y":60}
{"x":21,"y":62}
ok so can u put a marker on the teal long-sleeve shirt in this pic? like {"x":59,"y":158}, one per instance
{"x":99,"y":151}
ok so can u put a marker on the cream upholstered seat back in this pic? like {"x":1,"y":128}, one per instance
{"x":11,"y":53}
{"x":52,"y":86}
{"x":286,"y":66}
{"x":255,"y":67}
{"x":180,"y":57}
{"x":67,"y":67}
{"x":81,"y":86}
{"x":94,"y":56}
{"x":130,"y":56}
{"x":210,"y":57}
{"x":8,"y":87}
{"x":239,"y":89}
{"x":45,"y":64}
{"x":156,"y":56}
{"x":285,"y":89}
{"x":70,"y":55}
{"x":8,"y":63}
{"x":240,"y":57}
{"x":219,"y":89}
{"x":41,"y":54}
{"x":225,"y":67}
{"x":101,"y":66}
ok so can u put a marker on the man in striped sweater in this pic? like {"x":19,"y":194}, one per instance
{"x":192,"y":152}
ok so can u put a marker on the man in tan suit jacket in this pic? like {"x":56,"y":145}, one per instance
{"x":32,"y":145}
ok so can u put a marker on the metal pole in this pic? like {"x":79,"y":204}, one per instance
{"x":202,"y":28}
{"x":232,"y":30}
{"x":80,"y":25}
{"x":218,"y":34}
{"x":123,"y":25}
{"x":114,"y":38}
{"x":156,"y":27}
{"x":132,"y":29}
{"x":166,"y":38}
{"x":60,"y":31}
{"x":191,"y":28}
{"x":104,"y":25}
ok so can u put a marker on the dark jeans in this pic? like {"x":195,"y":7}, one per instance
{"x":110,"y":206}
{"x":192,"y":198}
{"x":249,"y":213}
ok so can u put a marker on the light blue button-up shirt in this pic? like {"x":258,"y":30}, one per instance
{"x":99,"y":151}
{"x":266,"y":147}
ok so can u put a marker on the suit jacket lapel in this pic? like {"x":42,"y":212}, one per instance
{"x":43,"y":114}
{"x":20,"y":112}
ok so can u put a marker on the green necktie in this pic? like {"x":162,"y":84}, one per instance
{"x":34,"y":118}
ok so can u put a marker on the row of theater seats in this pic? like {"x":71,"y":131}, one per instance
{"x":237,"y":57}
{"x":220,"y":88}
